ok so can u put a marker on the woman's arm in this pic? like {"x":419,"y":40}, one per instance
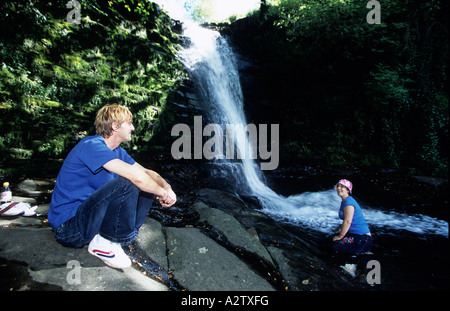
{"x":349,"y":210}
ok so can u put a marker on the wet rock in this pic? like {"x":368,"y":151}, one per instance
{"x":15,"y":221}
{"x":290,"y":276}
{"x":221,"y":200}
{"x":174,"y":216}
{"x":38,"y":248}
{"x":42,"y":209}
{"x":15,"y":277}
{"x":48,"y":262}
{"x":34,"y":188}
{"x":98,"y":279}
{"x":233,"y":230}
{"x":198,"y":263}
{"x":153,"y":242}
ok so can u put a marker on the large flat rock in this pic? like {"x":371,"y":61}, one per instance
{"x":200,"y":264}
{"x":50,"y":263}
{"x":233,"y":230}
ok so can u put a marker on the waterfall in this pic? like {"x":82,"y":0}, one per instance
{"x":212,"y":66}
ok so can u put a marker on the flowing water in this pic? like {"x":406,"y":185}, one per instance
{"x":212,"y":65}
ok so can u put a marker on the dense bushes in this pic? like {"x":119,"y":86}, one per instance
{"x":54,"y":75}
{"x":348,"y":92}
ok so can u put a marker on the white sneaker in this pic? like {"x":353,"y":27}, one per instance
{"x":350,"y":268}
{"x":111,"y":253}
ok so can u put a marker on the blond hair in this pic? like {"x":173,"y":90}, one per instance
{"x":109,"y":114}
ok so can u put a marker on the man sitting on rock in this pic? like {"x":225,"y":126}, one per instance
{"x":102,"y":196}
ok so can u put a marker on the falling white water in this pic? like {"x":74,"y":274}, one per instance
{"x":212,"y":65}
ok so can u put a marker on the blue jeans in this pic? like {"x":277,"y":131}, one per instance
{"x":116,"y":211}
{"x":354,"y":244}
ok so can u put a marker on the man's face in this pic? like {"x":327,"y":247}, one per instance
{"x":124,"y":131}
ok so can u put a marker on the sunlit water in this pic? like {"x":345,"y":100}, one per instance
{"x":212,"y":64}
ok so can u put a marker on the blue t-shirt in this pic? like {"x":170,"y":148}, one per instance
{"x":359,"y":225}
{"x":81,"y":174}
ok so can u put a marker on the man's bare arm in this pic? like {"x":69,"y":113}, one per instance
{"x":136,"y":175}
{"x":155,"y":176}
{"x":143,"y":180}
{"x":172,"y":197}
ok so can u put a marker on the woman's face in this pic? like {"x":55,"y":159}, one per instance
{"x":342,"y":190}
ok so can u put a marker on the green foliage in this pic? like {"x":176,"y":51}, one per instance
{"x":359,"y":93}
{"x":54,"y":76}
{"x":202,"y":10}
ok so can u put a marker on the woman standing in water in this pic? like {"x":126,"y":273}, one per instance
{"x":354,"y":235}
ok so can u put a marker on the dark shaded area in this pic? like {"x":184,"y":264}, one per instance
{"x":15,"y":277}
{"x":346,"y":92}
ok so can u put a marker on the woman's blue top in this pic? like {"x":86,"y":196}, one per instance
{"x":359,"y":225}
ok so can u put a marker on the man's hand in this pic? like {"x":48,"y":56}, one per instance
{"x":169,"y":199}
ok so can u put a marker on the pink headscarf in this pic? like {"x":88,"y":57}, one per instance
{"x":347,"y":184}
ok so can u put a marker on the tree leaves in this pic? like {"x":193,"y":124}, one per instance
{"x":65,"y":73}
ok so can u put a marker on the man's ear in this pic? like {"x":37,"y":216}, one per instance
{"x":115,"y":126}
